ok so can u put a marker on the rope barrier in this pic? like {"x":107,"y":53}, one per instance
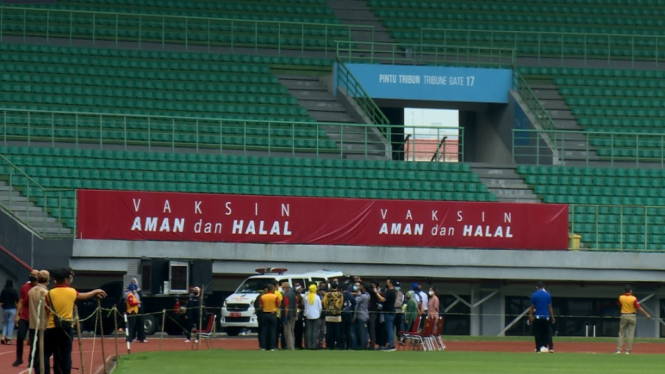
{"x":36,"y":339}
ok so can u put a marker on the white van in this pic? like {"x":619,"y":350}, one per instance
{"x":238,"y":310}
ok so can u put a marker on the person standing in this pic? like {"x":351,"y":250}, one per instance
{"x":289,"y":315}
{"x":259,"y":314}
{"x":541,"y":316}
{"x":348,"y":339}
{"x":374,"y":305}
{"x":388,"y":301}
{"x":411,"y":310}
{"x":22,"y":316}
{"x":193,"y":314}
{"x":269,"y":304}
{"x":321,"y":337}
{"x":36,"y":295}
{"x":433,"y":303}
{"x":424,"y":301}
{"x":134,"y":320}
{"x":333,"y":302}
{"x":629,"y":307}
{"x":8,"y":300}
{"x":59,"y":331}
{"x":399,"y":301}
{"x":313,"y":308}
{"x":298,"y":331}
{"x":361,"y":317}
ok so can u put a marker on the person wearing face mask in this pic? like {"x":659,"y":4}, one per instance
{"x":23,"y":316}
{"x":289,"y":307}
{"x":433,"y":303}
{"x":193,"y":313}
{"x":348,"y":336}
{"x":59,"y":332}
{"x":399,"y":301}
{"x":361,"y":316}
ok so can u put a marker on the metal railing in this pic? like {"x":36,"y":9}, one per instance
{"x":28,"y":202}
{"x":345,"y":79}
{"x":617,"y":227}
{"x":421,"y":54}
{"x":209,"y":135}
{"x":441,"y":144}
{"x":557,"y":45}
{"x":549,"y":147}
{"x":112,"y":29}
{"x":540,"y":114}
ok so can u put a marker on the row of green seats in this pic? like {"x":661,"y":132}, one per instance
{"x":532,"y":7}
{"x":624,"y":173}
{"x":585,"y":91}
{"x":593,"y":72}
{"x":657,"y":220}
{"x":614,"y":102}
{"x":653,"y":191}
{"x":616,"y":123}
{"x":617,"y":112}
{"x":99,"y":102}
{"x":602,"y":200}
{"x":243,"y":161}
{"x":165,"y":55}
{"x":219,"y":98}
{"x":125,"y":63}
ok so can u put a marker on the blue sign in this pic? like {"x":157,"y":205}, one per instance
{"x":436,"y":83}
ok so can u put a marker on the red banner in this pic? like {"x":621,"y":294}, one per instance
{"x":129,"y":215}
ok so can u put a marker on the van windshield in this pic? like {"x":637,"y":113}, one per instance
{"x":254,"y":285}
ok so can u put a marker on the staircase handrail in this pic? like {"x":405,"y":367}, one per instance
{"x":344,"y":78}
{"x":540,"y":114}
{"x":31,"y":183}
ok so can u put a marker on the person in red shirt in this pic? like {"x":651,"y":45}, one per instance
{"x":23,"y":316}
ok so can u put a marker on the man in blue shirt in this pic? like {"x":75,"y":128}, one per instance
{"x":541,"y":315}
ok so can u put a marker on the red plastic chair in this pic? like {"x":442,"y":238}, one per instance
{"x":209,"y":332}
{"x":414,"y":330}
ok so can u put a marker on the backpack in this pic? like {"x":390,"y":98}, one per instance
{"x":399,"y":300}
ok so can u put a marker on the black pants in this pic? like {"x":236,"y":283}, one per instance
{"x":373,"y":321}
{"x":541,"y":332}
{"x":269,"y":333}
{"x":259,"y":320}
{"x":298,"y":332}
{"x":136,"y":327}
{"x":32,"y":333}
{"x":21,"y":334}
{"x":345,"y":331}
{"x":333,"y":335}
{"x":58,"y":343}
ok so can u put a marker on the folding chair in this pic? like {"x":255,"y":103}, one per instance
{"x":421,"y":336}
{"x":435,"y":339}
{"x":414,"y":330}
{"x":209,"y":332}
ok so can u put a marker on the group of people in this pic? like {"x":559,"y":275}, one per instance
{"x":340,"y":315}
{"x":541,"y":317}
{"x":45,"y":316}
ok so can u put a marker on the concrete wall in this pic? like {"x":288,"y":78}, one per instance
{"x":380,"y":261}
{"x":489,"y":144}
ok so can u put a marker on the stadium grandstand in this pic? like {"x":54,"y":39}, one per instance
{"x":142,"y":137}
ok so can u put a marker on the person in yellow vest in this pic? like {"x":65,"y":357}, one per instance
{"x":270,"y":304}
{"x":629,"y":307}
{"x":59,"y":332}
{"x":134,"y":320}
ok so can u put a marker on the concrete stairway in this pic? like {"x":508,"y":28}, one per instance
{"x":29,"y":214}
{"x":313,"y":94}
{"x":573,"y":148}
{"x":504,"y":182}
{"x":358,"y":12}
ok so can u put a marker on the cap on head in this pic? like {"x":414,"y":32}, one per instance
{"x":396,"y":284}
{"x":43,"y":276}
{"x":415,"y":286}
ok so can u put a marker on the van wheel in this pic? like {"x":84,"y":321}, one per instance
{"x":232,"y":331}
{"x":149,"y":325}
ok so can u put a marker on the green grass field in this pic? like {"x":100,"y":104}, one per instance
{"x":376,"y":362}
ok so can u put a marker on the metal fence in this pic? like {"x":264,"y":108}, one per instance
{"x":557,"y":45}
{"x":548,"y":147}
{"x":29,"y":202}
{"x":617,"y":227}
{"x":345,"y":79}
{"x":110,"y":28}
{"x":540,"y":114}
{"x":418,"y":54}
{"x":211,"y":135}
